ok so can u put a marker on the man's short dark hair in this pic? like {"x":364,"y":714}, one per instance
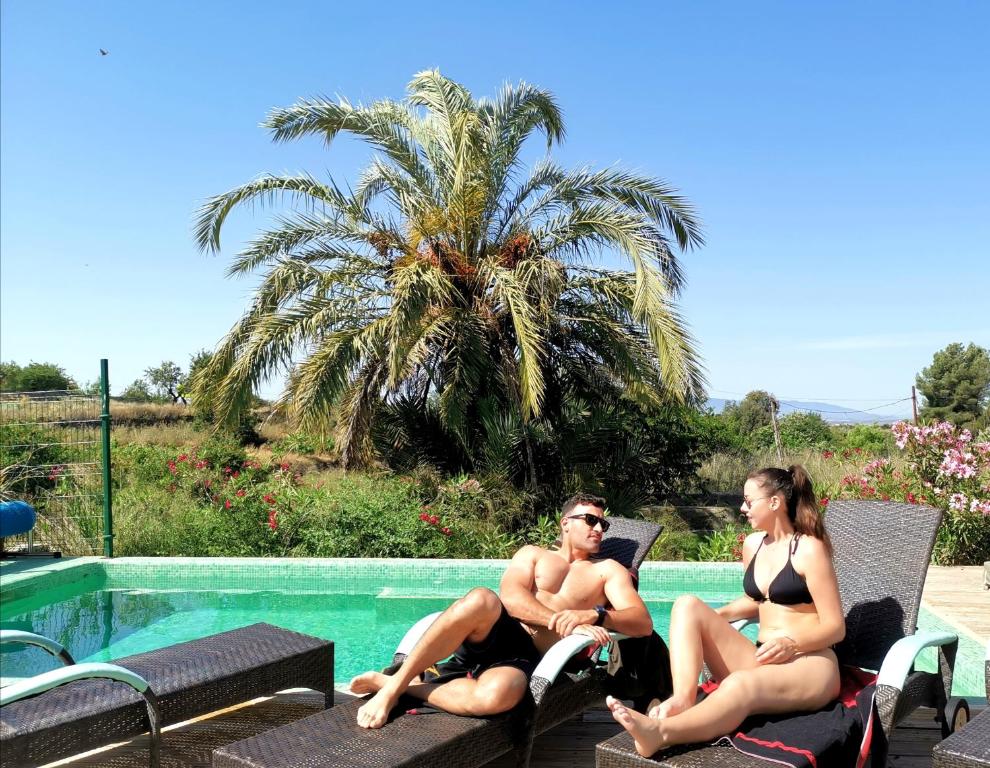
{"x":582,"y":498}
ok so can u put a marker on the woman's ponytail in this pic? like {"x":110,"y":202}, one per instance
{"x":802,"y":503}
{"x":802,"y":507}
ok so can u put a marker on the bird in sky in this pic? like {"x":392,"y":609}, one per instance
{"x":104,"y":52}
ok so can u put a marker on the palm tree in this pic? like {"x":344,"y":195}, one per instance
{"x":453,"y":280}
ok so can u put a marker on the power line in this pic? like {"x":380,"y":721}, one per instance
{"x":820,"y":398}
{"x":860,"y":410}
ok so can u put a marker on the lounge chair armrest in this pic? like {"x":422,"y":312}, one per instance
{"x":556,"y":658}
{"x":740,"y":624}
{"x":902,"y":654}
{"x":32,"y":686}
{"x":40,"y":641}
{"x":414,"y":633}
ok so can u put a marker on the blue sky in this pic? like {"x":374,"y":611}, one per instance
{"x":837,"y":153}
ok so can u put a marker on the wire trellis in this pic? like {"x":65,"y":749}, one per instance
{"x":51,"y":457}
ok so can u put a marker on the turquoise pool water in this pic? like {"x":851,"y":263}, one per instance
{"x":102,"y":610}
{"x":107,"y":624}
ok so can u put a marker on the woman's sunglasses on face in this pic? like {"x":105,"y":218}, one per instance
{"x":592,"y":520}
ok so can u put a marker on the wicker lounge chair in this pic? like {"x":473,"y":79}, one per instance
{"x":66,"y":711}
{"x":333,"y":738}
{"x":882,"y":551}
{"x":970,"y":746}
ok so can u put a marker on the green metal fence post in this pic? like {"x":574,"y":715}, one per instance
{"x":105,"y":429}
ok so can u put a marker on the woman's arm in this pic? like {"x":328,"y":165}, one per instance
{"x":743,"y":607}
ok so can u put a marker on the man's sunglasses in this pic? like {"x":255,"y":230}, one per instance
{"x":592,"y":520}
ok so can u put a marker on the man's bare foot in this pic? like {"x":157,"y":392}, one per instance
{"x":374,"y":712}
{"x":644,"y":730}
{"x":658,"y":710}
{"x":368,"y":682}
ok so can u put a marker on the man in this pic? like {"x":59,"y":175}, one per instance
{"x":497,"y":640}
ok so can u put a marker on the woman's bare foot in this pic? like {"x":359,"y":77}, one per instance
{"x":368,"y":682}
{"x":658,"y":710}
{"x":644,"y":730}
{"x":374,"y":712}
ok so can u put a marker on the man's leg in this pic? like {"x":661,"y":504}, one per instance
{"x":469,"y":619}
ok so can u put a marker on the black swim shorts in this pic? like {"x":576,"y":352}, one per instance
{"x":507,"y":645}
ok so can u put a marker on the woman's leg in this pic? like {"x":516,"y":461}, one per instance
{"x":807,"y":683}
{"x":699,"y":635}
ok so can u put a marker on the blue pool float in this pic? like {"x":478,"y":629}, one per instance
{"x":16,"y":517}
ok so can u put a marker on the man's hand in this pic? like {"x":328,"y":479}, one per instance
{"x":565,"y":622}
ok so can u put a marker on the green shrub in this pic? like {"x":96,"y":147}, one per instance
{"x":869,"y":438}
{"x":29,"y":455}
{"x":676,"y":541}
{"x":723,"y":546}
{"x":302,"y":443}
{"x":222,"y":449}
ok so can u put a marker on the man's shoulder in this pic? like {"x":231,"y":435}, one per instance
{"x":530,"y":552}
{"x":610,"y":567}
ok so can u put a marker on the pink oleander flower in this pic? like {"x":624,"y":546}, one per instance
{"x":957,"y":501}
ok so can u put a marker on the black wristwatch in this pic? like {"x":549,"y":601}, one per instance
{"x":602,"y":613}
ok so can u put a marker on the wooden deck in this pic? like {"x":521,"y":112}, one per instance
{"x":956,"y":595}
{"x":569,"y":745}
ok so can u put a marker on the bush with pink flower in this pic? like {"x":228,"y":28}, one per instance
{"x":943,"y":466}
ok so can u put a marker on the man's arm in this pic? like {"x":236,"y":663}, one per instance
{"x":628,"y":613}
{"x":518,"y":586}
{"x":625,"y":613}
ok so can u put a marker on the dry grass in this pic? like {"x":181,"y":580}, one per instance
{"x":726,"y":473}
{"x":177,"y":435}
{"x":134,"y":414}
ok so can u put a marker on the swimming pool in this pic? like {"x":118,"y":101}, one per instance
{"x":105,"y":609}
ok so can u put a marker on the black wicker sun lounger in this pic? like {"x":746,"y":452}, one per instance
{"x":882,"y":551}
{"x":970,"y":746}
{"x":175,"y":683}
{"x":333,"y":738}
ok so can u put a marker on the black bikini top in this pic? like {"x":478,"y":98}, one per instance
{"x":788,"y":586}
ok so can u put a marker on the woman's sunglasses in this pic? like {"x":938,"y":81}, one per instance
{"x":592,"y":520}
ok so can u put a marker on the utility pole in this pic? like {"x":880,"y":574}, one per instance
{"x":914,"y":404}
{"x":774,"y":405}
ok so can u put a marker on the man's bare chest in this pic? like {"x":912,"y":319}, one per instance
{"x":579,"y":581}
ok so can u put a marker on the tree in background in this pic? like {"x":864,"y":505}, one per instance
{"x":166,"y":381}
{"x":752,"y":413}
{"x":137,"y":391}
{"x":801,"y":429}
{"x":455,"y":285}
{"x":956,"y":386}
{"x":34,"y":377}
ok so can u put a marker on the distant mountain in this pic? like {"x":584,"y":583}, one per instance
{"x":833,"y":414}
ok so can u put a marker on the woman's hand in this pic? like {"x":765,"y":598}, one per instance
{"x":599,"y":634}
{"x":779,"y":650}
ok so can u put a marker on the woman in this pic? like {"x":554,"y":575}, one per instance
{"x":790,"y":585}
